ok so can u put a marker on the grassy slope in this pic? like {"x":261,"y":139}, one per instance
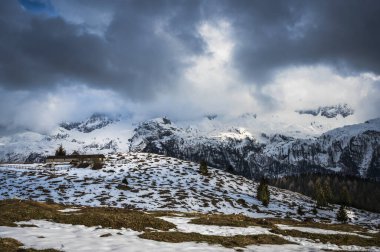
{"x":15,"y":210}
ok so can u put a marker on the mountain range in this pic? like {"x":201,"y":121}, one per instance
{"x":250,"y":145}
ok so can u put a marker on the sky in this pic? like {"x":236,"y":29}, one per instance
{"x":184,"y":59}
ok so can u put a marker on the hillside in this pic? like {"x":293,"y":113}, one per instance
{"x":155,"y":182}
{"x":148,"y":182}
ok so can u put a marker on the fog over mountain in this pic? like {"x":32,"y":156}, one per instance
{"x":64,"y":60}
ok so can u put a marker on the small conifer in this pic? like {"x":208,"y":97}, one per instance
{"x":341,"y":215}
{"x":203,"y":168}
{"x":263,"y":193}
{"x":60,"y":151}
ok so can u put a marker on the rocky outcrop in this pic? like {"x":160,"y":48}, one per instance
{"x":329,"y":111}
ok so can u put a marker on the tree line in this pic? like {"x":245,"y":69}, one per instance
{"x":334,"y":189}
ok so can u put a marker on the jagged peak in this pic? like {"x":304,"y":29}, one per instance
{"x":211,"y":116}
{"x":95,"y":121}
{"x":158,"y":120}
{"x":329,"y":111}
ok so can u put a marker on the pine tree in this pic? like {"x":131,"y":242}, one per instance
{"x":60,"y":151}
{"x":265,"y":199}
{"x":203,"y":168}
{"x":341,"y":215}
{"x":346,"y":198}
{"x":328,"y":192}
{"x":262,"y":193}
{"x":322,"y":194}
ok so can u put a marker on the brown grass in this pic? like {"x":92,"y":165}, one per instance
{"x":12,"y":245}
{"x":14,"y":210}
{"x":233,"y":220}
{"x":229,"y":242}
{"x":17,"y":210}
{"x":337,"y":239}
{"x":174,"y":213}
{"x":237,"y":220}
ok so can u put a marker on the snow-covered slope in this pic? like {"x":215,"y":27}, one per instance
{"x":154,"y":182}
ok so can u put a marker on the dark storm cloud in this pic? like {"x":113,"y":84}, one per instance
{"x":145,"y":46}
{"x":131,"y":57}
{"x":271,"y":35}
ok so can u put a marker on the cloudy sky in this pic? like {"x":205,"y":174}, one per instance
{"x":63,"y":60}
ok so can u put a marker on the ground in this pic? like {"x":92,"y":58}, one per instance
{"x":146,"y":201}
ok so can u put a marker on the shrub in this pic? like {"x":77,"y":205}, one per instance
{"x":314,"y":211}
{"x":300,"y":210}
{"x":125,"y":181}
{"x":241,"y":202}
{"x":97,"y":166}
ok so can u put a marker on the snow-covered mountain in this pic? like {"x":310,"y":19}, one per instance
{"x":351,"y":150}
{"x":96,"y":121}
{"x":251,"y":145}
{"x":329,"y":111}
{"x":97,"y":134}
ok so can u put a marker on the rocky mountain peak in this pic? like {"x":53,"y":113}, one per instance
{"x":95,"y":121}
{"x":329,"y":111}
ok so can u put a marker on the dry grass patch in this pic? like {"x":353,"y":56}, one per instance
{"x":12,"y":245}
{"x":337,"y":239}
{"x":115,"y":218}
{"x":14,"y":210}
{"x":163,"y":213}
{"x":238,"y":220}
{"x":336,"y":227}
{"x":229,"y":242}
{"x":233,"y":220}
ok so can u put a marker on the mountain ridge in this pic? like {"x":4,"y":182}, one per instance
{"x":238,"y":147}
{"x":343,"y":110}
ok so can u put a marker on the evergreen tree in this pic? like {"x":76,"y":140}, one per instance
{"x":327,"y":190}
{"x":346,"y":198}
{"x":265,"y":199}
{"x":262,"y":193}
{"x":60,"y":151}
{"x":322,"y":194}
{"x":203,"y":168}
{"x":341,"y":215}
